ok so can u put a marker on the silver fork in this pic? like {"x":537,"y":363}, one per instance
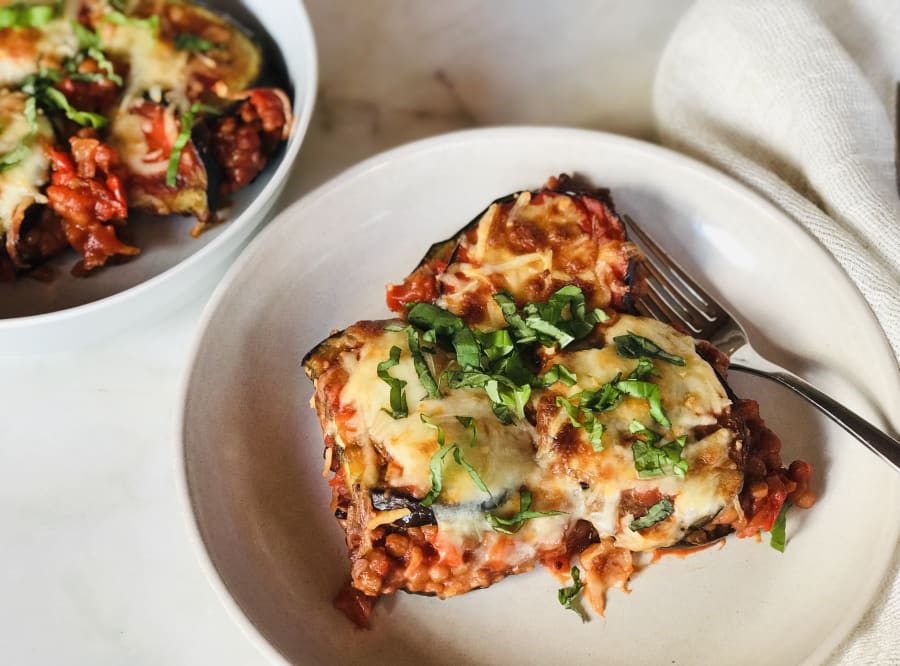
{"x":673,"y":297}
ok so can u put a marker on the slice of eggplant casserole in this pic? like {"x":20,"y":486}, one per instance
{"x":518,"y":411}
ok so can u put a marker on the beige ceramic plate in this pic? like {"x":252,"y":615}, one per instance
{"x":253,"y":449}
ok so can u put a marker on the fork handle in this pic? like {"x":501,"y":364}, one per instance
{"x":875,"y":439}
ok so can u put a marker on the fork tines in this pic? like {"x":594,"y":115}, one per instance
{"x":672,"y":296}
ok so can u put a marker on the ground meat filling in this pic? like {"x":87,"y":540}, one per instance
{"x":88,"y":196}
{"x":244,"y":139}
{"x":767,"y":483}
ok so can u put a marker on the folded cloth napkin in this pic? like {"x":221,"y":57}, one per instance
{"x":797,"y":100}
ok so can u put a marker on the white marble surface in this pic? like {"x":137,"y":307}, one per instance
{"x":96,"y":565}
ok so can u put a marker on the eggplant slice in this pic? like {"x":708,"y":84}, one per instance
{"x":529,"y":244}
{"x":220,"y":52}
{"x":384,"y":467}
{"x":442,"y":494}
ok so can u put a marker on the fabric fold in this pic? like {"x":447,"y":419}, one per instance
{"x":796,"y":100}
{"x":766,"y":92}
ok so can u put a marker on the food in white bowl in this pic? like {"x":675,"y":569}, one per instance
{"x":139,"y":125}
{"x":111,"y":110}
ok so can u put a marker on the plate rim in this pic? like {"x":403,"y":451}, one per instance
{"x":409,"y":150}
{"x":269,"y":192}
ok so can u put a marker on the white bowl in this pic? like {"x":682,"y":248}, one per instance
{"x":173,"y":267}
{"x":252,"y":447}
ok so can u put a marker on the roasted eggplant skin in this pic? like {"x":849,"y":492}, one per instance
{"x":576,"y":227}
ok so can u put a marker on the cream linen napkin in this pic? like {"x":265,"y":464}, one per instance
{"x":797,"y":101}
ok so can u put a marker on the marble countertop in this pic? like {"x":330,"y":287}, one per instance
{"x":97,"y":566}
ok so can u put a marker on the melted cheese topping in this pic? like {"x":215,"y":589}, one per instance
{"x":529,"y":248}
{"x":25,"y":51}
{"x":692,"y":396}
{"x":560,"y":468}
{"x":156,"y":67}
{"x":503,"y":455}
{"x":129,"y":130}
{"x":20,"y":185}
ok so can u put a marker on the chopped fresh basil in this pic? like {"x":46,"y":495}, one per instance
{"x":35,"y":84}
{"x":429,"y":337}
{"x":104,"y":64}
{"x":569,"y":596}
{"x":571,"y":410}
{"x":466,"y":378}
{"x":514,"y":369}
{"x":399,"y":409}
{"x":427,"y":316}
{"x":12,"y":158}
{"x":40,"y":88}
{"x":87,"y":77}
{"x":207,"y":109}
{"x":436,"y":465}
{"x":635,"y":346}
{"x":87,"y":39}
{"x":548,"y":332}
{"x":185,"y":41}
{"x":421,"y":365}
{"x":649,"y":392}
{"x":649,"y":436}
{"x":468,"y":352}
{"x":673,"y":451}
{"x":151,"y":23}
{"x":563,"y":318}
{"x":559,"y":373}
{"x":471,"y":471}
{"x":184,"y":135}
{"x":84,"y":118}
{"x":515,"y":522}
{"x":31,"y":114}
{"x":90,"y":44}
{"x":91,"y":49}
{"x":583,"y":322}
{"x":594,"y":430}
{"x":644,"y":369}
{"x":777,"y":533}
{"x":434,"y":426}
{"x":25,"y":15}
{"x":507,"y":398}
{"x":495,"y":344}
{"x":652,"y":460}
{"x":469,"y":424}
{"x":522,"y":332}
{"x":655,"y":514}
{"x":436,"y":468}
{"x":647,"y":459}
{"x":500,"y":362}
{"x":581,"y":417}
{"x":605,"y":398}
